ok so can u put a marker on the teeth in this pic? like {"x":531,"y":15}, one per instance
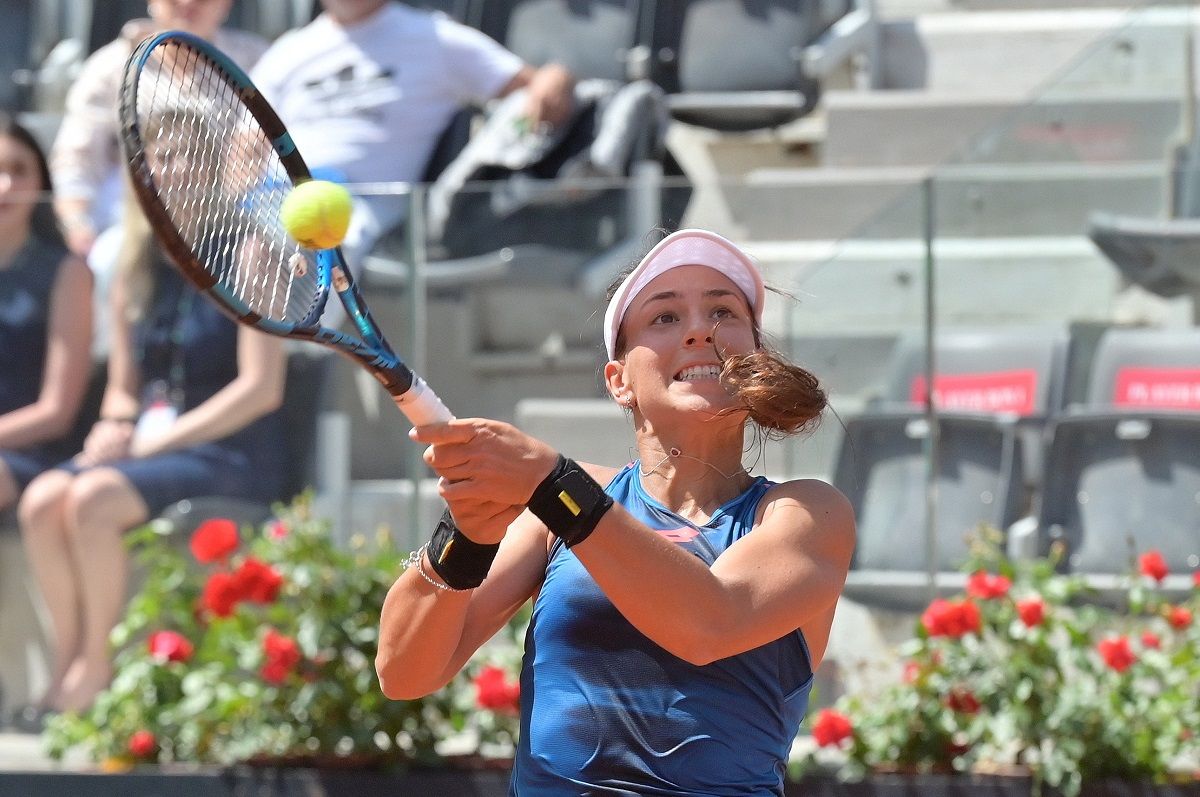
{"x":697,"y":372}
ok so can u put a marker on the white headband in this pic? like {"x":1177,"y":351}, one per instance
{"x":685,"y":248}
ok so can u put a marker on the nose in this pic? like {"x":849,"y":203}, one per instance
{"x":699,"y":333}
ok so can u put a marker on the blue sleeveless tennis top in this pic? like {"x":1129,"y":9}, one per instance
{"x":605,"y":711}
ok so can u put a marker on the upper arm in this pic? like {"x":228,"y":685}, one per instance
{"x":261,"y":362}
{"x":68,"y":353}
{"x":790,"y":570}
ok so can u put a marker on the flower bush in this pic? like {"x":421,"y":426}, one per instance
{"x":258,"y":645}
{"x":1030,"y":671}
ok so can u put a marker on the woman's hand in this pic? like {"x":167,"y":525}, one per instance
{"x":108,"y":441}
{"x":488,"y":468}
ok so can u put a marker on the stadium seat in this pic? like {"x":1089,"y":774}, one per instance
{"x":993,"y":391}
{"x":593,"y":38}
{"x":772,"y":56}
{"x":1019,"y":373}
{"x":1122,"y":473}
{"x":1160,"y":255}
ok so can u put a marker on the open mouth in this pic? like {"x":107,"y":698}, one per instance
{"x":696,"y":373}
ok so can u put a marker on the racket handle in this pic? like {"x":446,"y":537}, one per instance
{"x":421,"y":405}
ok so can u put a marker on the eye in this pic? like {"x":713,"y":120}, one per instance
{"x":664,"y":318}
{"x":724,"y":312}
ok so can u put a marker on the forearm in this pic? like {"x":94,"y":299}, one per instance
{"x":35,"y":423}
{"x":420,"y":630}
{"x":229,"y":410}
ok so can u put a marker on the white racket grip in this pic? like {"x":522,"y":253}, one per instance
{"x":421,"y":405}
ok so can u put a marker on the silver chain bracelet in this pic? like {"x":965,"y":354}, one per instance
{"x":417,"y":559}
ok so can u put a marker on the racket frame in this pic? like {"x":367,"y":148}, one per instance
{"x":372,"y":351}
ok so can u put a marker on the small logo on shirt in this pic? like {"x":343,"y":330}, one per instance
{"x":682,"y":534}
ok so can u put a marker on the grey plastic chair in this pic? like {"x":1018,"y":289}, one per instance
{"x":1122,"y":473}
{"x":995,"y":387}
{"x":593,"y":38}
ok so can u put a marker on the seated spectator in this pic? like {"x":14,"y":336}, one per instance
{"x":190,"y":408}
{"x":45,"y":319}
{"x":368,"y":87}
{"x":85,"y":159}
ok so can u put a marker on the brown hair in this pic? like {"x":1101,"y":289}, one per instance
{"x":43,"y":223}
{"x":782,"y":398}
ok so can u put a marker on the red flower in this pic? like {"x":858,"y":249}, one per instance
{"x":169,"y":646}
{"x":1151,"y":640}
{"x":1032,"y":611}
{"x":257,"y":581}
{"x":214,"y":540}
{"x":963,"y":701}
{"x":277,"y":530}
{"x":1152,"y":564}
{"x":1116,"y":653}
{"x":282,"y":656}
{"x":1180,"y":617}
{"x":142,"y":744}
{"x":831,"y":728}
{"x":494,"y":691}
{"x":987,"y":586}
{"x":947,"y":618}
{"x":912,"y":672}
{"x":221,"y":594}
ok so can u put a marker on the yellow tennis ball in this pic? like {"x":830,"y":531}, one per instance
{"x":317,"y":213}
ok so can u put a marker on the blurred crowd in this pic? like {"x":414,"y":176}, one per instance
{"x":189,"y":403}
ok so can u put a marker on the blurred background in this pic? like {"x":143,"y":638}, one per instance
{"x":997,"y":198}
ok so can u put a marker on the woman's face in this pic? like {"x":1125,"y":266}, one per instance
{"x":677,"y":332}
{"x":21,"y":187}
{"x":199,"y":17}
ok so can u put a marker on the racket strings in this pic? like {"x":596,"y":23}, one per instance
{"x":220,"y":181}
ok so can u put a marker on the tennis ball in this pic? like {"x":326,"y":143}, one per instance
{"x":317,"y":213}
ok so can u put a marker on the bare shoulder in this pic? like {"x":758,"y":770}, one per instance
{"x":811,"y":505}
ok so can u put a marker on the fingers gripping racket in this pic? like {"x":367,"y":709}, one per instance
{"x":211,"y":164}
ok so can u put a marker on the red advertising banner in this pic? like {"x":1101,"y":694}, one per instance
{"x":996,"y":391}
{"x":1162,"y":388}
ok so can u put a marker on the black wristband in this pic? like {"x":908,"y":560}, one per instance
{"x":569,"y":502}
{"x":457,"y":559}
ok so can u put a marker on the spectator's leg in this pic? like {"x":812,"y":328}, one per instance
{"x":44,"y":531}
{"x":100,"y":507}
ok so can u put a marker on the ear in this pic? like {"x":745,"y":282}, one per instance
{"x":614,"y":380}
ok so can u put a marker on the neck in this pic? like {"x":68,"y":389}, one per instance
{"x":693,"y":481}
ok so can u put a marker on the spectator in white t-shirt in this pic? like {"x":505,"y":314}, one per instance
{"x":86,"y":163}
{"x":367,"y":88}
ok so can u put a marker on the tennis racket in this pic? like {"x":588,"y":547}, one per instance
{"x":211,"y":164}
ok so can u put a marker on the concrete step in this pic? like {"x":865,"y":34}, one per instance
{"x":934,"y":127}
{"x":973,"y":200}
{"x":1019,"y":52}
{"x":878,"y":286}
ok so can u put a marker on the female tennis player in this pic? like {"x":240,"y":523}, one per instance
{"x":681,"y":605}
